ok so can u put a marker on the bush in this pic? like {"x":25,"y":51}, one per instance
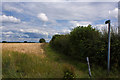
{"x":69,"y":72}
{"x":42,"y":40}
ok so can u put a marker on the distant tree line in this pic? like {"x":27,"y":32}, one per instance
{"x":17,"y":42}
{"x":42,"y":40}
{"x":85,"y":42}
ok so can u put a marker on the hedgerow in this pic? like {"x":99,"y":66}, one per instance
{"x":85,"y":42}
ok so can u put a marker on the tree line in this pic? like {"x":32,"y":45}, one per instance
{"x":42,"y":40}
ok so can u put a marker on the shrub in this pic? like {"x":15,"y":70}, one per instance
{"x":69,"y":72}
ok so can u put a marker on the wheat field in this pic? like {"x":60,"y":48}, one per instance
{"x":28,"y":48}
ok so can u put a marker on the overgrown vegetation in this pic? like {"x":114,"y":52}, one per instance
{"x":85,"y":42}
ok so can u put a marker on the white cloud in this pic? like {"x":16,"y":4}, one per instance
{"x":1,"y":27}
{"x":59,"y":15}
{"x":80,"y":23}
{"x":10,"y":8}
{"x":114,"y":13}
{"x":43,"y":17}
{"x":60,"y":11}
{"x":34,"y":31}
{"x":66,"y":31}
{"x":60,"y":0}
{"x":100,"y":27}
{"x":30,"y":30}
{"x":76,"y":11}
{"x":5,"y":18}
{"x":9,"y":32}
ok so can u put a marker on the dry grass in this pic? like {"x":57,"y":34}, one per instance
{"x":29,"y":48}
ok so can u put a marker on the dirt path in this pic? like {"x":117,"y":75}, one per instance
{"x":34,"y":48}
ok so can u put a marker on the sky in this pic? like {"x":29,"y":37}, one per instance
{"x":30,"y":21}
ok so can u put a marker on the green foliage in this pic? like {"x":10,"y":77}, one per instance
{"x":60,"y":42}
{"x":69,"y":73}
{"x":25,"y":41}
{"x":85,"y":42}
{"x":115,"y":49}
{"x":20,"y":65}
{"x":42,"y":40}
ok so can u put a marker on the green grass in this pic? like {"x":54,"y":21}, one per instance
{"x":20,"y":65}
{"x":80,"y":69}
{"x":97,"y":71}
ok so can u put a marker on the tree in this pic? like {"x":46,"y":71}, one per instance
{"x":25,"y":41}
{"x":85,"y":41}
{"x":42,"y":40}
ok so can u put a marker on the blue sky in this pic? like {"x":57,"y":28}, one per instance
{"x":34,"y":20}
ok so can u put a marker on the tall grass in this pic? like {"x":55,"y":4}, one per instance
{"x":53,"y":65}
{"x":21,"y":65}
{"x":80,"y":69}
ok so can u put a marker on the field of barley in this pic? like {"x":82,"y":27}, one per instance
{"x":27,"y":48}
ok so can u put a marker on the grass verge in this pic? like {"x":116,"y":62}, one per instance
{"x":97,"y":71}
